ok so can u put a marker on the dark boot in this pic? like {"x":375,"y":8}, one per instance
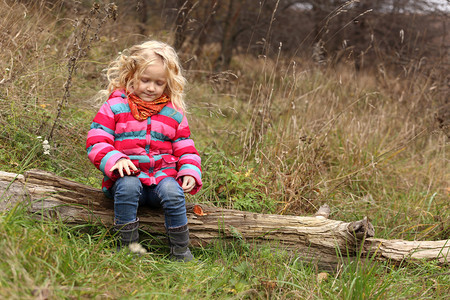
{"x":127,"y":234}
{"x":179,"y":242}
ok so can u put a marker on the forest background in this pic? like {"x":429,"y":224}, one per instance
{"x":292,"y":104}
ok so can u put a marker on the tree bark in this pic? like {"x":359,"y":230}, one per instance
{"x":228,"y":36}
{"x":315,"y":238}
{"x":184,"y":8}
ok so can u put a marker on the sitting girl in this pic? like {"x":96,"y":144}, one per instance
{"x":140,"y":140}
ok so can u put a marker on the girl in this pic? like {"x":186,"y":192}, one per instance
{"x":140,"y":140}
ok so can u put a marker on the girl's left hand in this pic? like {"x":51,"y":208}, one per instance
{"x":188,"y":183}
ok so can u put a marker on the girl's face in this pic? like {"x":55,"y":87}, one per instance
{"x":152,"y":83}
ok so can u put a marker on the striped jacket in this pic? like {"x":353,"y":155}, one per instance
{"x":159,"y":147}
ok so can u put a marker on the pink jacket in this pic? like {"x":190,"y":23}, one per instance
{"x":159,"y":147}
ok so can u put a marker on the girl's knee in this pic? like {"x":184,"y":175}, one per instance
{"x":171,"y":193}
{"x":169,"y":186}
{"x":128,"y":185}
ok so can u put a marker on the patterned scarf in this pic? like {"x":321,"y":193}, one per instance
{"x":141,"y":109}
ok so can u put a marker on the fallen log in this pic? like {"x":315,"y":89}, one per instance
{"x":315,"y":238}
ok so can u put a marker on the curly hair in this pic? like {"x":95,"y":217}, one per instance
{"x":127,"y":68}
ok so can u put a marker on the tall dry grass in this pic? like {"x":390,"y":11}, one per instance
{"x":366,"y":143}
{"x":275,"y":136}
{"x":286,"y":133}
{"x":42,"y":95}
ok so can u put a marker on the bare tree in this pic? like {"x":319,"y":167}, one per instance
{"x":393,"y":32}
{"x":228,"y":34}
{"x":185,"y":7}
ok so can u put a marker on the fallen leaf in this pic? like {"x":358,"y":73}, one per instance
{"x":198,"y":211}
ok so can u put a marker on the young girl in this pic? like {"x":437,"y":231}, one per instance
{"x":140,"y":140}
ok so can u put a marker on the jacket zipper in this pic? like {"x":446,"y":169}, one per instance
{"x":148,"y":139}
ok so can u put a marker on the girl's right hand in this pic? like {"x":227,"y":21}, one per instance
{"x":122,"y":164}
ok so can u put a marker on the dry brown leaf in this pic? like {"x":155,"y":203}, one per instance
{"x":198,"y":210}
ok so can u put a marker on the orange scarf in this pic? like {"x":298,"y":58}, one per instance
{"x":141,"y":109}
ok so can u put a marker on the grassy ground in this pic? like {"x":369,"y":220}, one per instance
{"x":48,"y":260}
{"x":274,"y":137}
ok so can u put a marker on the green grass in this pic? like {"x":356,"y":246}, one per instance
{"x":51,"y":259}
{"x":275,"y":140}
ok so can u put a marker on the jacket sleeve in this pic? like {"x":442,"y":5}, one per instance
{"x":100,"y":141}
{"x":189,"y":162}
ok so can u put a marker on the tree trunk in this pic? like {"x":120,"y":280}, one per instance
{"x":184,"y":8}
{"x":209,"y":14}
{"x":315,"y":238}
{"x":228,"y":36}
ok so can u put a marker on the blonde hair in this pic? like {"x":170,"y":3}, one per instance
{"x":127,"y":68}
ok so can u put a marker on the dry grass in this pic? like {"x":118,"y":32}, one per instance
{"x":360,"y":141}
{"x":363,"y":142}
{"x":275,"y":136}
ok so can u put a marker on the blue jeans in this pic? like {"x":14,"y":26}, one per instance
{"x":129,"y":193}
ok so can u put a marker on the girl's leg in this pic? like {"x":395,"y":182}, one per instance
{"x":171,"y":197}
{"x":127,"y":191}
